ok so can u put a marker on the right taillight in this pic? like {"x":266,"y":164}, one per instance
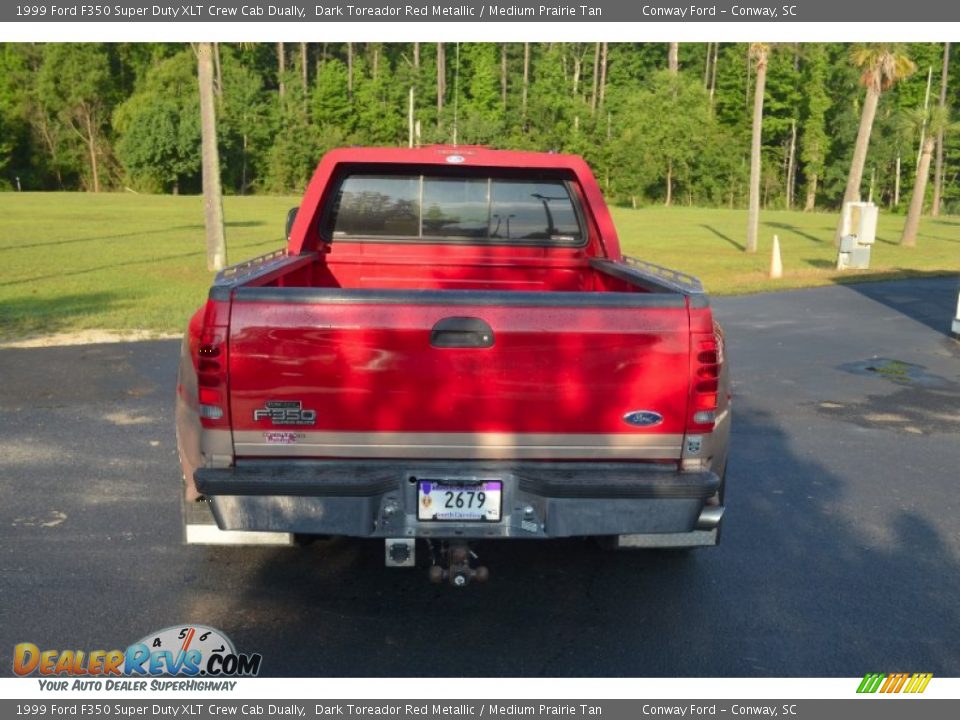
{"x":705,"y":384}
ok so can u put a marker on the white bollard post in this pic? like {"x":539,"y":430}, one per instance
{"x":776,"y":265}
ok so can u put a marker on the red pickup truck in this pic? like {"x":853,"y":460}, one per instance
{"x":452,"y":348}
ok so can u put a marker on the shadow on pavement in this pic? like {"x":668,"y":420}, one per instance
{"x":795,"y":589}
{"x":839,"y":553}
{"x":932,"y":302}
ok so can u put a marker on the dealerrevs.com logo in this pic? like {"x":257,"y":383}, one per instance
{"x":177,"y":651}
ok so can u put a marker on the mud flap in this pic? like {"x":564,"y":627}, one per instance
{"x":666,"y":541}
{"x":199,"y":528}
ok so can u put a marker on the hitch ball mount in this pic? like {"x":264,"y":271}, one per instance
{"x":450,"y":561}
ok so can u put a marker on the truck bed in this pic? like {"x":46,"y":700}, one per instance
{"x":567,"y":353}
{"x":359,"y":271}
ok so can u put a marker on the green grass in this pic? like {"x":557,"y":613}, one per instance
{"x":71,"y":261}
{"x":709,"y":243}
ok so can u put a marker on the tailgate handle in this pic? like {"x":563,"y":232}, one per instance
{"x":461,"y":332}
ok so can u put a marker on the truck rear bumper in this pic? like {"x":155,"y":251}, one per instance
{"x":647,"y":505}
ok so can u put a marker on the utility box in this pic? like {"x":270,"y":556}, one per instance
{"x":857,"y":236}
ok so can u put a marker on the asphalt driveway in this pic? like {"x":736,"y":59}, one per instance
{"x":840,"y":553}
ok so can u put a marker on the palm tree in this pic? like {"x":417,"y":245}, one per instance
{"x":212,"y":191}
{"x":883,"y":67}
{"x":758,"y":53}
{"x":935,"y":120}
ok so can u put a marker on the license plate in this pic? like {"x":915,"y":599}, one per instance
{"x":473,"y":500}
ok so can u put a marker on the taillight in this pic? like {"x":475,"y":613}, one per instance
{"x":705,"y":385}
{"x":211,"y":365}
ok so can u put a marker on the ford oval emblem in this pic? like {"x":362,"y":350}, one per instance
{"x":455,"y":159}
{"x":643,"y":418}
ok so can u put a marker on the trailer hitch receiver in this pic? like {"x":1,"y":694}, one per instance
{"x":452,"y":564}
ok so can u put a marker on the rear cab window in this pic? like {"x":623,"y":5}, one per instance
{"x":437,"y":209}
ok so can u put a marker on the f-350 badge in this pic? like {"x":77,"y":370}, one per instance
{"x":285,"y":412}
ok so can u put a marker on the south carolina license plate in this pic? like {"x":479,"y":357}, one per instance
{"x":473,"y":500}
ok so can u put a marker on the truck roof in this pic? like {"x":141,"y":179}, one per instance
{"x":468,"y":155}
{"x":304,"y":235}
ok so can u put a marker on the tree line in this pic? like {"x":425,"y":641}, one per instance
{"x":670,"y":123}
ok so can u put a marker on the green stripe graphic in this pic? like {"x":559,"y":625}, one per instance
{"x":871,"y":682}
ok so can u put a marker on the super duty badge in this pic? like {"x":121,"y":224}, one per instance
{"x":285,"y":412}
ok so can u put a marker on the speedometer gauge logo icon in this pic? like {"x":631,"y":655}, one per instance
{"x":179,"y":638}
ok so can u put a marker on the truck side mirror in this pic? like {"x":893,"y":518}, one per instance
{"x":291,"y":216}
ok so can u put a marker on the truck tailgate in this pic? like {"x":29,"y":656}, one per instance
{"x":457,"y":375}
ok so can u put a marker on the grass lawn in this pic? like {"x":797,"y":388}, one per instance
{"x":709,"y":244}
{"x":74,"y":261}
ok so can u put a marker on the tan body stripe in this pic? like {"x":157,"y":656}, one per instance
{"x":478,"y":446}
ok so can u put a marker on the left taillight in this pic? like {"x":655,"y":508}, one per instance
{"x":210,"y":360}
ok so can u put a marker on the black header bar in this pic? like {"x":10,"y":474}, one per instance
{"x":612,"y":11}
